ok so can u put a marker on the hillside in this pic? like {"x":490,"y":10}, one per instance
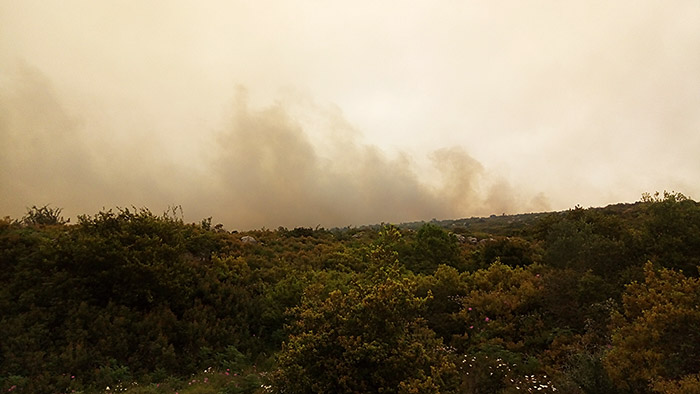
{"x":598,"y":300}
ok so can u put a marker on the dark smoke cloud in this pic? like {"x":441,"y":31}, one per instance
{"x":262,"y":169}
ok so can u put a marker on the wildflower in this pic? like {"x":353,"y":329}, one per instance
{"x":487,"y":319}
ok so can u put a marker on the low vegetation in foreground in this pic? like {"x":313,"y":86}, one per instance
{"x":599,"y":300}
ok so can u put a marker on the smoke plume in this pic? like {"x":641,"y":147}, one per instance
{"x":261,"y":167}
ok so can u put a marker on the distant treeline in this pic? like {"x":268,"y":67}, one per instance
{"x":598,"y":300}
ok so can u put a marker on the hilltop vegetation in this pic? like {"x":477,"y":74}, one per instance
{"x":599,"y":300}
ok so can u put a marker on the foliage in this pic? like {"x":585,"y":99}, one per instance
{"x":512,"y":251}
{"x":43,"y":216}
{"x":145,"y":303}
{"x":432,"y":247}
{"x":370,"y":338}
{"x":588,"y":240}
{"x":672,"y":232}
{"x":655,"y":339}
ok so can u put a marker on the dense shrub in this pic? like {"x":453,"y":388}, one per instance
{"x":125,"y":296}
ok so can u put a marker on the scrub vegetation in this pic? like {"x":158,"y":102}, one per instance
{"x":597,"y":300}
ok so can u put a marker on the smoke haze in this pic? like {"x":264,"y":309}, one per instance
{"x":298,"y":114}
{"x":260,"y":169}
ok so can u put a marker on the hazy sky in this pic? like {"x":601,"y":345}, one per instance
{"x":299,"y":113}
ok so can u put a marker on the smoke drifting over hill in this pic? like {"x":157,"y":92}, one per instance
{"x":354,"y":113}
{"x":260,"y":169}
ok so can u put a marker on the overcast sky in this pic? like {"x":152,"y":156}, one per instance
{"x":300,"y":113}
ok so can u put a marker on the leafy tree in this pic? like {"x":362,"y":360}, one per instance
{"x":584,"y":372}
{"x":370,"y":338}
{"x":573,"y":299}
{"x":503,"y":323}
{"x":446,"y":289}
{"x":672,"y":231}
{"x":433,"y":246}
{"x":578,"y":244}
{"x":656,"y":337}
{"x":43,"y":216}
{"x":512,"y":251}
